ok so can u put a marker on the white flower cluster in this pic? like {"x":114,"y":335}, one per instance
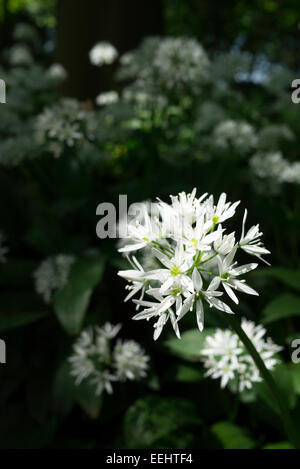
{"x":172,"y":64}
{"x":270,"y":137}
{"x":181,"y":62}
{"x":20,"y":55}
{"x":24,"y":32}
{"x":57,"y":73}
{"x":273,"y":166}
{"x":64,"y":124}
{"x":52,"y":274}
{"x":3,"y":248}
{"x":226,"y":356}
{"x":103,"y":53}
{"x":104,"y":99}
{"x":237,"y":135}
{"x":196,"y":255}
{"x":95,"y":359}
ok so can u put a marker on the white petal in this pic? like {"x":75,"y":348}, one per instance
{"x":230,"y":293}
{"x":200,"y":315}
{"x":197,"y":279}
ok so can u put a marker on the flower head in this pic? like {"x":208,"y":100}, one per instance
{"x":96,"y":359}
{"x":103,"y":53}
{"x":104,"y":99}
{"x":52,"y":274}
{"x":225,"y":355}
{"x":196,"y":259}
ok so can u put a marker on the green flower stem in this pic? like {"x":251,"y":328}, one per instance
{"x":290,"y":429}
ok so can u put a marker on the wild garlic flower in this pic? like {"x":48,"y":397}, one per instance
{"x":196,"y":258}
{"x":181,"y":62}
{"x":237,"y":135}
{"x":291,"y":173}
{"x":103,"y":53}
{"x":225,"y":356}
{"x":268,"y":165}
{"x":130,"y":360}
{"x":52,"y":274}
{"x":104,"y":99}
{"x":57,"y":73}
{"x":271,"y":136}
{"x":274,"y":168}
{"x":3,"y":249}
{"x":24,"y":32}
{"x":98,"y":360}
{"x":166,"y":64}
{"x":64,"y":124}
{"x":20,"y":55}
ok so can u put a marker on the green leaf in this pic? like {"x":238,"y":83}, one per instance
{"x":184,"y":373}
{"x":283,"y":378}
{"x":63,"y":389}
{"x":288,"y":277}
{"x":161,"y":422}
{"x":85,"y":395}
{"x":12,"y":321}
{"x":280,"y":445}
{"x":72,"y":301}
{"x":190,"y":344}
{"x":295,"y":370}
{"x":66,"y":392}
{"x":232,"y":436}
{"x":282,"y":307}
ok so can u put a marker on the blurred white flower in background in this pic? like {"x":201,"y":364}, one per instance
{"x":20,"y":55}
{"x":169,"y":64}
{"x":95,"y":358}
{"x":65,"y":123}
{"x":194,"y":255}
{"x":226,"y":357}
{"x":274,"y":167}
{"x":268,"y":165}
{"x":52,"y":274}
{"x":291,"y":173}
{"x":127,"y":59}
{"x":110,"y":97}
{"x":103,"y":53}
{"x":24,"y":32}
{"x":130,"y":360}
{"x":181,"y":62}
{"x":57,"y":72}
{"x":237,"y":135}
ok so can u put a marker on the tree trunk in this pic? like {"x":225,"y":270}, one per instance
{"x":83,"y":23}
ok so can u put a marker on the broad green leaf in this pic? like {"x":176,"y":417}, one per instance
{"x":232,"y":436}
{"x":161,"y":422}
{"x":282,"y":307}
{"x":190,"y":344}
{"x":85,"y":395}
{"x":72,"y":301}
{"x":12,"y":321}
{"x":283,"y":378}
{"x":63,"y":389}
{"x":66,"y":392}
{"x":280,"y":445}
{"x":288,"y":277}
{"x":295,"y":369}
{"x":184,"y":372}
{"x":188,"y":374}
